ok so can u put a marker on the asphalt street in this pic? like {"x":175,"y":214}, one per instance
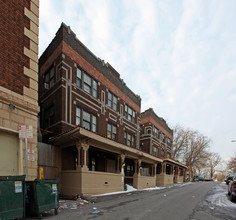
{"x":179,"y":202}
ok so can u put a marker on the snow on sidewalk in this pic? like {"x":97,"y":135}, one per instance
{"x":132,"y":189}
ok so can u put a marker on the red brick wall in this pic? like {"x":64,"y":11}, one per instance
{"x":97,"y":75}
{"x":151,"y":120}
{"x":12,"y":43}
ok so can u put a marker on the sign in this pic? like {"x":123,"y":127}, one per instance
{"x":31,"y":155}
{"x":22,"y":131}
{"x":54,"y":188}
{"x":18,"y":186}
{"x":25,"y":131}
{"x":29,"y":131}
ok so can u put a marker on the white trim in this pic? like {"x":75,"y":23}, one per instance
{"x":78,"y":100}
{"x":112,"y":117}
{"x":82,"y":97}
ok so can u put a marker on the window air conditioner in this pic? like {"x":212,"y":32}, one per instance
{"x":46,"y":86}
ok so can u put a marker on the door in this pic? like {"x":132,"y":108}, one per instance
{"x":9,"y":145}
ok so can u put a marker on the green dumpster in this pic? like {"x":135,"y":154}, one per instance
{"x":12,"y":197}
{"x":42,"y":195}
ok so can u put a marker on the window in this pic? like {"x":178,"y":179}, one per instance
{"x":155,"y":151}
{"x":163,"y":137}
{"x":79,"y":78}
{"x":111,"y":131}
{"x":169,"y":142}
{"x":141,"y":129}
{"x":112,"y":101}
{"x":95,"y":89}
{"x":49,"y":77}
{"x":49,"y":116}
{"x":129,"y":139}
{"x":168,"y":169}
{"x":155,"y":132}
{"x":94,"y":123}
{"x":130,"y":114}
{"x":145,"y":172}
{"x":87,"y":83}
{"x":86,"y":119}
{"x":86,"y":122}
{"x":78,"y":116}
{"x":162,"y":153}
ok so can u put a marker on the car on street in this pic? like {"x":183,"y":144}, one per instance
{"x":232,"y":189}
{"x":230,"y":177}
{"x":226,"y":177}
{"x":201,"y":178}
{"x":208,"y":178}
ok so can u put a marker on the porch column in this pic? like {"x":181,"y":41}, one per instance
{"x":139,"y":167}
{"x":83,"y":157}
{"x":118,"y":163}
{"x":164,"y":168}
{"x":122,"y":167}
{"x":155,"y":170}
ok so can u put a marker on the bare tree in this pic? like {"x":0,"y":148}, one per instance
{"x":181,"y":136}
{"x":191,"y":148}
{"x":214,"y":161}
{"x":232,"y":164}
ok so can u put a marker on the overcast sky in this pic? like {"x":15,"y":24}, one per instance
{"x":179,"y":56}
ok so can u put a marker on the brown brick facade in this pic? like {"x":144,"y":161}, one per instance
{"x":149,"y":141}
{"x":65,"y":95}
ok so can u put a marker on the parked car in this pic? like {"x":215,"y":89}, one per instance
{"x":208,"y":178}
{"x":201,"y":178}
{"x":230,"y":177}
{"x":232,"y":189}
{"x":196,"y":178}
{"x":226,"y":177}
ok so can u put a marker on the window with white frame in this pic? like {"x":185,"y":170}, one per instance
{"x":87,"y":83}
{"x":112,"y":101}
{"x":111,"y":131}
{"x":129,"y":139}
{"x":86,"y":119}
{"x":130,"y":114}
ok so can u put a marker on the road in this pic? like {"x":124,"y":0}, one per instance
{"x":179,"y":202}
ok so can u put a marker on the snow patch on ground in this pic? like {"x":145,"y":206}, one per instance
{"x":131,"y":189}
{"x":220,"y":197}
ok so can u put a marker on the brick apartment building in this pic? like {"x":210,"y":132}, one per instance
{"x":91,"y":120}
{"x":156,"y":138}
{"x":19,"y":22}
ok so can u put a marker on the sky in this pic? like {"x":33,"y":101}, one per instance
{"x":178,"y":56}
